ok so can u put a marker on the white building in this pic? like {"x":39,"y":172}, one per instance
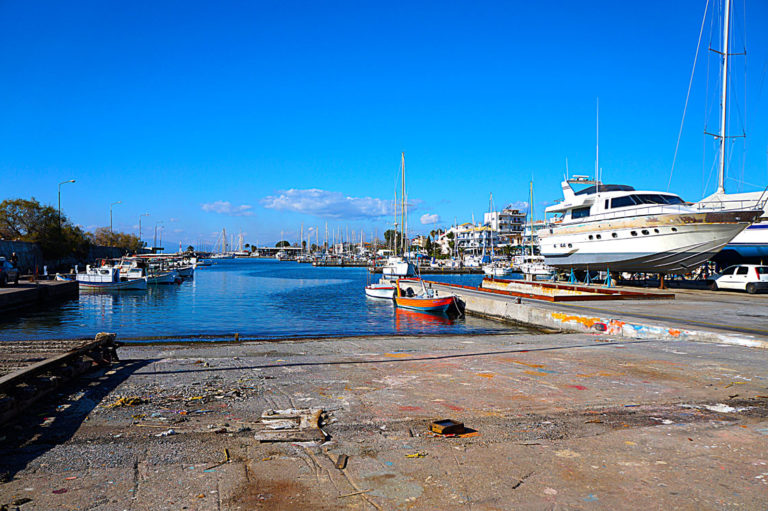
{"x":508,"y":223}
{"x":468,"y":239}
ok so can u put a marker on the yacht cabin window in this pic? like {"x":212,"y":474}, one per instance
{"x":580,"y":212}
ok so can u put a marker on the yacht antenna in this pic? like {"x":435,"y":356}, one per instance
{"x":724,"y":98}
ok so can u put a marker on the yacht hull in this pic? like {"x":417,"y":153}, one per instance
{"x":653,"y":244}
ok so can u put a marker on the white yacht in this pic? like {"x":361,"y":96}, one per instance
{"x":618,"y":228}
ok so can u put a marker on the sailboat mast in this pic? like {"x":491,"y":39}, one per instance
{"x":402,"y":201}
{"x":530,"y":216}
{"x":724,"y":97}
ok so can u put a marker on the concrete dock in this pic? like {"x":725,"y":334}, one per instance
{"x":32,"y":294}
{"x":698,"y":315}
{"x":557,"y":421}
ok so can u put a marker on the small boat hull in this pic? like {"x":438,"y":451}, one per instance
{"x":424,"y":304}
{"x":113,"y":286}
{"x":380,"y":291}
{"x":187,"y":271}
{"x":163,"y":278}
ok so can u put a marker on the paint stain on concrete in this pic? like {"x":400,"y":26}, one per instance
{"x":567,"y":453}
{"x":577,"y":387}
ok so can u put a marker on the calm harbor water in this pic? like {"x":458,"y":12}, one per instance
{"x":255,"y":298}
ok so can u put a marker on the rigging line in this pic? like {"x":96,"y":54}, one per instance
{"x":688,"y":94}
{"x":742,"y":182}
{"x":707,"y":109}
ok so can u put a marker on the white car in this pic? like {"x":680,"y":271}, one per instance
{"x":751,"y":278}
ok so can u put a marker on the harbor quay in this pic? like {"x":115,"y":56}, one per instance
{"x":551,"y":421}
{"x":28,"y":294}
{"x":626,"y":312}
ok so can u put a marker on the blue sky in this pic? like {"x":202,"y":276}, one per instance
{"x":258,"y":116}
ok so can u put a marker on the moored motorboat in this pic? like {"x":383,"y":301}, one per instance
{"x":107,"y":278}
{"x":497,"y":269}
{"x":534,"y":267}
{"x":383,"y":290}
{"x":426,"y":301}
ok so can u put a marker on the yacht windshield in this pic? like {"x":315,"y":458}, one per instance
{"x":645,"y":198}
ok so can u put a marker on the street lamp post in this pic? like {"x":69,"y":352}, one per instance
{"x":110,"y":214}
{"x":62,"y":183}
{"x":141,"y":215}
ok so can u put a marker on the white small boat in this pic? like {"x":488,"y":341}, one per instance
{"x":153,"y":273}
{"x":534,"y":266}
{"x":398,"y":267}
{"x":107,"y":278}
{"x":185,"y":271}
{"x":497,"y":269}
{"x":163,"y":277}
{"x":380,"y":290}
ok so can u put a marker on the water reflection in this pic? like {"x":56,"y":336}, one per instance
{"x":406,"y":320}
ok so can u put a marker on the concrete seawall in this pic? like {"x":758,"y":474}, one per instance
{"x":27,"y":294}
{"x":624,"y":319}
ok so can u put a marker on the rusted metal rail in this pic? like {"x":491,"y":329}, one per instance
{"x":31,"y":369}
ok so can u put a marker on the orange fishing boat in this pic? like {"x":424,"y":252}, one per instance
{"x":426,"y":301}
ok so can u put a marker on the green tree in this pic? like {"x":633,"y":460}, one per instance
{"x":190,"y":249}
{"x":104,"y":237}
{"x":391,"y":235}
{"x":28,"y":220}
{"x":428,"y":245}
{"x":282,"y":243}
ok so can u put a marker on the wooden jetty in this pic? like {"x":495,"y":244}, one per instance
{"x":31,"y":369}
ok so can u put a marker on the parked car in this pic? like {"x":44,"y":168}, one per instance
{"x":751,"y":278}
{"x":8,"y":272}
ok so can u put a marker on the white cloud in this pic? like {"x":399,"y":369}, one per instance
{"x":328,"y":204}
{"x":427,"y":219}
{"x":226,"y":208}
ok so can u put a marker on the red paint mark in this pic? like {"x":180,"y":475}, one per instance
{"x":409,"y":408}
{"x":453,"y":407}
{"x":578,"y":387}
